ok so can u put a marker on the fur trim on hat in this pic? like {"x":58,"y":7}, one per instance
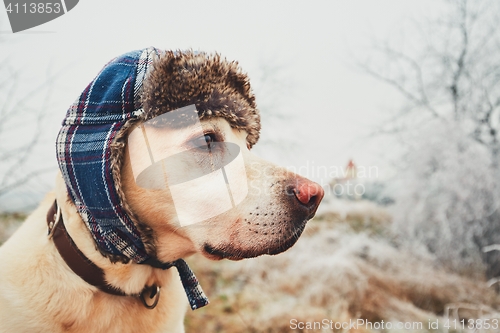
{"x":116,"y":162}
{"x":216,"y":86}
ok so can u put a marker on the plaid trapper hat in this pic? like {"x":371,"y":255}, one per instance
{"x":84,"y":156}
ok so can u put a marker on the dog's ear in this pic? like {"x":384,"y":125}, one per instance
{"x":216,"y":86}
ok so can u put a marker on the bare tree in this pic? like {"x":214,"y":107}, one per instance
{"x":15,"y":152}
{"x":22,"y":113}
{"x":448,"y":72}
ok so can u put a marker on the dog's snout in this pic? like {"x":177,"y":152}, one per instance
{"x":309,"y":194}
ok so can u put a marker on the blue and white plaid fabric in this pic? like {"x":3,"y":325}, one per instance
{"x":83,"y":154}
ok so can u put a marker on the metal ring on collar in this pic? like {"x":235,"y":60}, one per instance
{"x":154,"y":295}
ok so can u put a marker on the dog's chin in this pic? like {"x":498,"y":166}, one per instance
{"x":229,"y":251}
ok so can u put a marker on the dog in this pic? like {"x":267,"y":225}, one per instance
{"x":133,"y":234}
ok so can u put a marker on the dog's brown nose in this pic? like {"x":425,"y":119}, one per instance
{"x":309,"y":193}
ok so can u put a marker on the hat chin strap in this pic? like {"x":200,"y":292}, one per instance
{"x":93,"y":275}
{"x":192,"y":288}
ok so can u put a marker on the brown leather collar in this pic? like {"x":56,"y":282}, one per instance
{"x":82,"y":266}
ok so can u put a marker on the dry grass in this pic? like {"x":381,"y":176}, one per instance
{"x":9,"y":222}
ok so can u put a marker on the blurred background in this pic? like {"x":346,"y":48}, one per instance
{"x":392,"y":106}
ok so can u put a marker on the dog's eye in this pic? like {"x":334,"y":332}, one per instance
{"x":209,"y":138}
{"x":204,"y":142}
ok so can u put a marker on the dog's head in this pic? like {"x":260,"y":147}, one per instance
{"x":267,"y":206}
{"x":275,"y":204}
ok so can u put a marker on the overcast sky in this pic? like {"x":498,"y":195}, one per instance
{"x":317,"y":107}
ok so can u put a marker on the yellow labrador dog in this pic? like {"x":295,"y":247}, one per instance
{"x":103,"y":252}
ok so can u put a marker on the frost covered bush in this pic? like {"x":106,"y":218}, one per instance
{"x":447,"y":197}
